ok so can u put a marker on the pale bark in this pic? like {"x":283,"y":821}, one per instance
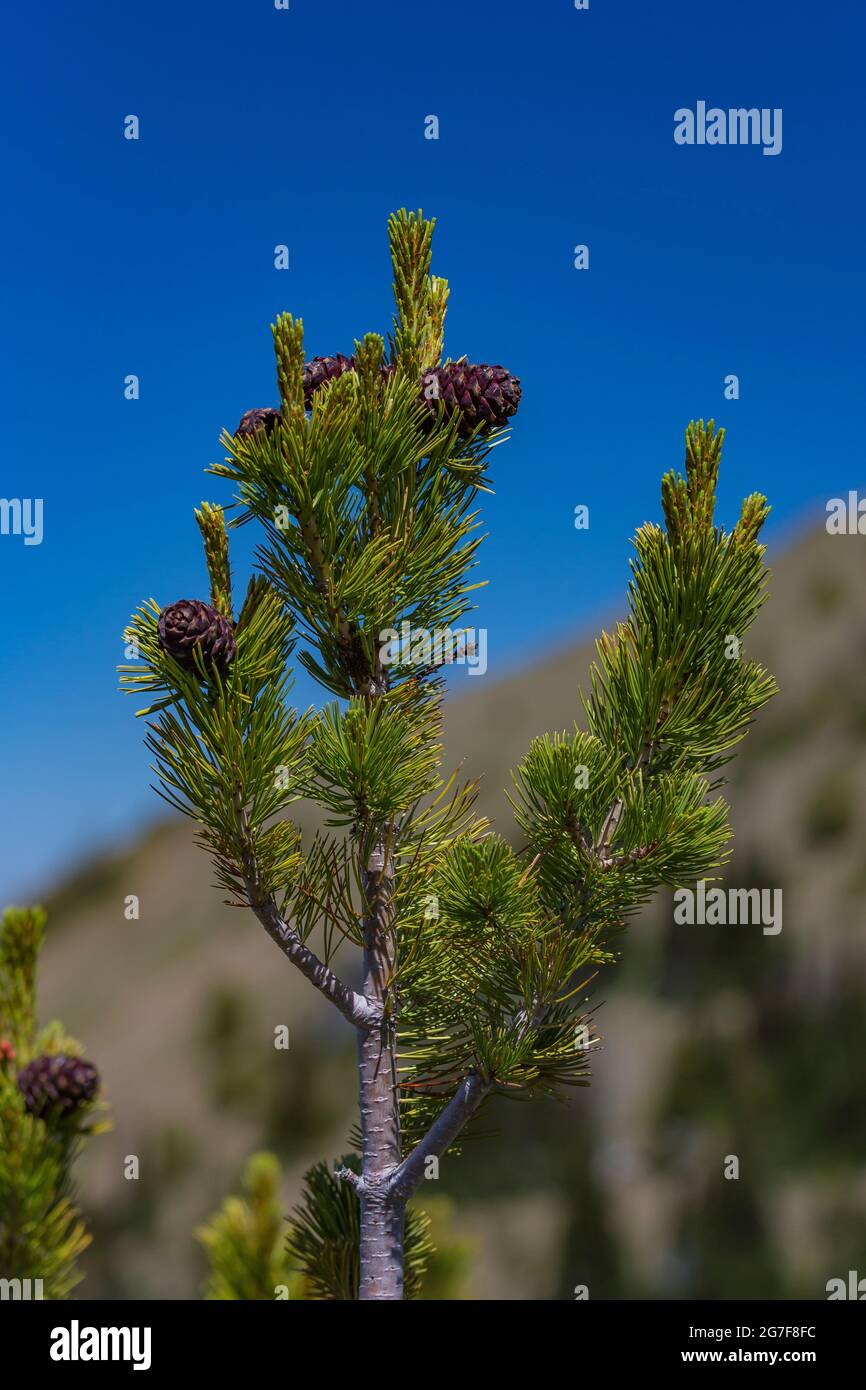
{"x":382,"y":1215}
{"x":360,"y":1012}
{"x":353,"y":1006}
{"x":441,"y":1134}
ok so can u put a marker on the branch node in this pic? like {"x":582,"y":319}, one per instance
{"x":348,"y":1176}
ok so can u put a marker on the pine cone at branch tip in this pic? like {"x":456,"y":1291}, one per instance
{"x":57,"y":1083}
{"x":190,"y":623}
{"x":265,"y":417}
{"x":320,"y":370}
{"x":480,"y":394}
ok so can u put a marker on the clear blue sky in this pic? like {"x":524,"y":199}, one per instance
{"x":306,"y":127}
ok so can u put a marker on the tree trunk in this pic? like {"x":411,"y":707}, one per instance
{"x":382,"y":1214}
{"x":382,"y":1222}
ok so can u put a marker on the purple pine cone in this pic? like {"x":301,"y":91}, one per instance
{"x":321,"y":370}
{"x":479,"y":394}
{"x":264,"y":417}
{"x":190,"y":623}
{"x":58,"y":1084}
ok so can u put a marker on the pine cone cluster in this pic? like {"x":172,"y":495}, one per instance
{"x":190,"y":624}
{"x":477,"y":393}
{"x":58,"y":1084}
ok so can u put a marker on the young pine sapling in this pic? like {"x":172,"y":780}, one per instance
{"x":474,"y":957}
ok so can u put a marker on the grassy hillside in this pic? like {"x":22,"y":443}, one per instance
{"x":718,"y":1040}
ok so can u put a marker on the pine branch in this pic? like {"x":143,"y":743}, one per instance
{"x":441,"y":1135}
{"x":614,"y":815}
{"x":359,"y":1011}
{"x":353,"y":1006}
{"x":211,"y":523}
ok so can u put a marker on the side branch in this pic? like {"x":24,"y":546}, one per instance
{"x":441,"y":1134}
{"x":358,"y":1010}
{"x":601,"y":850}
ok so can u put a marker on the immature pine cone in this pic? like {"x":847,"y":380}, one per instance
{"x":57,"y":1083}
{"x":263,"y":417}
{"x":190,"y":623}
{"x":321,"y":370}
{"x":476,"y":392}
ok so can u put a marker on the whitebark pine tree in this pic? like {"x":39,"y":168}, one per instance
{"x":474,"y":958}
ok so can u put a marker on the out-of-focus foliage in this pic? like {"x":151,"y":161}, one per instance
{"x":245,"y":1240}
{"x":254,"y":1255}
{"x":42,"y":1233}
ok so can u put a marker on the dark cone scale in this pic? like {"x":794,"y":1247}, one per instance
{"x":321,"y":370}
{"x":190,"y":623}
{"x":478,"y":393}
{"x":58,"y":1084}
{"x":265,"y":418}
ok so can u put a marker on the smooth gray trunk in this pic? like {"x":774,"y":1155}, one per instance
{"x":382,"y":1224}
{"x":382,"y":1212}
